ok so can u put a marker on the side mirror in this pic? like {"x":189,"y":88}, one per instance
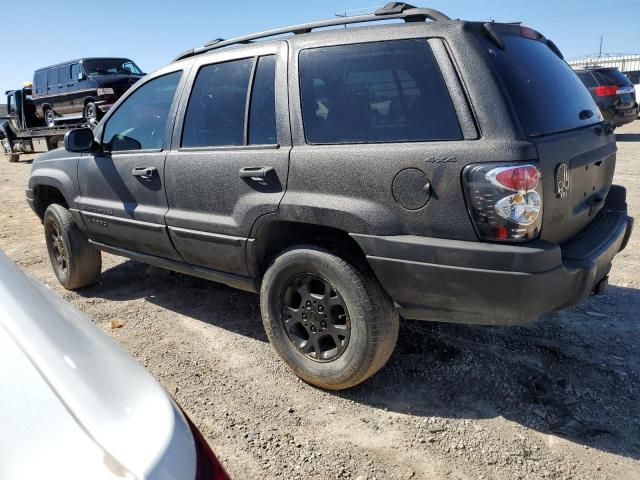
{"x":81,"y":76}
{"x":80,"y":140}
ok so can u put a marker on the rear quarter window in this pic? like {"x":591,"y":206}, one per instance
{"x":545,"y":91}
{"x":389,"y":91}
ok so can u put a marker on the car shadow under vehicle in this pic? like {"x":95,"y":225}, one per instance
{"x":628,"y":137}
{"x":574,"y":373}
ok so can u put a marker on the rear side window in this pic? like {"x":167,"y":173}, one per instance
{"x":634,"y":77}
{"x":546,"y":93}
{"x":389,"y":91}
{"x":587,"y":79}
{"x":41,"y":82}
{"x":262,"y":114}
{"x":613,"y":77}
{"x":53,"y":78}
{"x":215,"y":113}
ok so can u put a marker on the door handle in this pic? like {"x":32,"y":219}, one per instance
{"x":146,"y":172}
{"x":255,"y":172}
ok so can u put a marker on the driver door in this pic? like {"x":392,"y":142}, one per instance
{"x":123,"y":200}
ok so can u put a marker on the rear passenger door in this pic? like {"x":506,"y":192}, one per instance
{"x":230,"y":155}
{"x":378,"y":130}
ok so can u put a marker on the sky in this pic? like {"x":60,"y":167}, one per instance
{"x":39,"y":33}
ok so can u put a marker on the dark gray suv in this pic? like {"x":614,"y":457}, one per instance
{"x":436,"y":169}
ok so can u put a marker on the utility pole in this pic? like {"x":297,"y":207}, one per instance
{"x":600,"y":52}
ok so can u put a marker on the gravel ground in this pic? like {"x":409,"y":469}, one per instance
{"x":558,"y":399}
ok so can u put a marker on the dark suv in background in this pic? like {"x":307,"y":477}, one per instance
{"x":82,"y":89}
{"x":613,"y":92}
{"x":441,"y":170}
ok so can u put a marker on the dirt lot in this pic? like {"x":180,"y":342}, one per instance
{"x":557,"y":399}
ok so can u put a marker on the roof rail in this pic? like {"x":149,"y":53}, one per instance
{"x":391,"y":11}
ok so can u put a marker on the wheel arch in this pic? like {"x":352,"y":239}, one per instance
{"x":274,"y":237}
{"x":45,"y":195}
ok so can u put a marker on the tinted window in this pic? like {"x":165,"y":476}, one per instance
{"x":41,"y":82}
{"x":634,"y":77}
{"x":75,"y":71}
{"x":546,"y":93}
{"x":63,"y":74}
{"x":587,"y":79}
{"x":215,"y":114}
{"x":375,"y":92}
{"x":140,"y":122}
{"x":262,"y":115}
{"x":111,"y":66}
{"x":613,"y":77}
{"x":53,"y":78}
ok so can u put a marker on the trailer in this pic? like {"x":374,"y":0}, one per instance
{"x":21,"y":131}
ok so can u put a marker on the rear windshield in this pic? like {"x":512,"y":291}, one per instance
{"x":546,"y":93}
{"x":613,"y":77}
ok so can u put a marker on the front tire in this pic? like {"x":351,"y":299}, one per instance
{"x":332,"y":324}
{"x":91,"y":115}
{"x":75,"y":262}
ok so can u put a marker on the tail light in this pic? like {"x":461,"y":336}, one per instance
{"x":504,"y":201}
{"x":207,"y":465}
{"x":606,"y":91}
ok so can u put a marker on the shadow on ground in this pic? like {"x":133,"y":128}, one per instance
{"x":575,"y":374}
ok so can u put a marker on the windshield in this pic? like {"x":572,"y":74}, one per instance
{"x":111,"y":66}
{"x":546,"y":93}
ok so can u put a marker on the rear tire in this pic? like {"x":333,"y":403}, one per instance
{"x":75,"y":262}
{"x":91,"y":114}
{"x":332,"y":324}
{"x":49,"y":118}
{"x":7,"y":151}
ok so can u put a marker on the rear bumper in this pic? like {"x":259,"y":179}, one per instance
{"x":621,"y":117}
{"x":495,"y":284}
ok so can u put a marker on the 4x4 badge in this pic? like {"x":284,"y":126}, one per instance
{"x":562,"y":180}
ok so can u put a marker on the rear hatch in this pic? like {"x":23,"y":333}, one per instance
{"x":559,"y":116}
{"x":625,"y":92}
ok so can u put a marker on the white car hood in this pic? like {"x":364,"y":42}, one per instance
{"x":71,"y":397}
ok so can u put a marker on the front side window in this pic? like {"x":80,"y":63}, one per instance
{"x":140,"y":122}
{"x":389,"y":91}
{"x":215,"y":113}
{"x":75,"y":71}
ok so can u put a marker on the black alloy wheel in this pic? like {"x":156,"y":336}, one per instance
{"x":58,"y":247}
{"x":315,"y":317}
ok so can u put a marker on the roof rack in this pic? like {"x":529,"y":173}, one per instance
{"x":391,"y":11}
